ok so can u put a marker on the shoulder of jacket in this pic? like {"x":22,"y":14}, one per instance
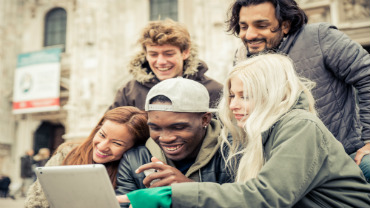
{"x":66,"y":147}
{"x":135,"y":157}
{"x":62,"y":152}
{"x":320,"y":27}
{"x":296,"y":114}
{"x":214,"y":84}
{"x":131,"y":84}
{"x":137,"y":150}
{"x":131,"y":88}
{"x":299,"y":117}
{"x":206,"y":80}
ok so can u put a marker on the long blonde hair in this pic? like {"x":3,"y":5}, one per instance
{"x":272,"y":86}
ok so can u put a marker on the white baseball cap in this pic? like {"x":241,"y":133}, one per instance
{"x":186,"y":95}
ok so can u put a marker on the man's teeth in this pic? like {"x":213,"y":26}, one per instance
{"x":173,"y":148}
{"x":256,"y":42}
{"x":101,"y":153}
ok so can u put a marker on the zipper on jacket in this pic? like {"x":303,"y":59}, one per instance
{"x":318,"y":202}
{"x":200,"y":176}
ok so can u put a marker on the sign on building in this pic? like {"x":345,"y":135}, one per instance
{"x":37,"y":82}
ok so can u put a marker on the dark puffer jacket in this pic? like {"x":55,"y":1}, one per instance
{"x":134,"y":92}
{"x":338,"y":65}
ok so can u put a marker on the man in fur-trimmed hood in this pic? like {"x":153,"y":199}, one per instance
{"x":167,"y":53}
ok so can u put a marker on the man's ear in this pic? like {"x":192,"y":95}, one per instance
{"x":285,"y":27}
{"x":186,"y":54}
{"x":206,"y":119}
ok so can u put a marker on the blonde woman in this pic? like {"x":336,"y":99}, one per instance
{"x":288,"y":158}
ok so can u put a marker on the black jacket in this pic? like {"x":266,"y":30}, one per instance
{"x":26,"y":167}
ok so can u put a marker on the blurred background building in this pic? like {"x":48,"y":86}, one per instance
{"x":94,"y":39}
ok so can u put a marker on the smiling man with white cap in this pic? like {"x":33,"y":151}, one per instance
{"x":184,"y":144}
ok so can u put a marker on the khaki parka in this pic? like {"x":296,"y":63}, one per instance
{"x":305,"y":167}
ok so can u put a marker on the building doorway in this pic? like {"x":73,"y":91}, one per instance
{"x":48,"y":135}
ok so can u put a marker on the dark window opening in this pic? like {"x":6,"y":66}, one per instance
{"x":162,"y":9}
{"x":55,"y":27}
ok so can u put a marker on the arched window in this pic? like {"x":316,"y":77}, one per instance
{"x":162,"y":9}
{"x":55,"y":27}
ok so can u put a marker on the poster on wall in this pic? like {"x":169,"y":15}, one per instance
{"x":37,"y":82}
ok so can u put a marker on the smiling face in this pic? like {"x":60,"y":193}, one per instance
{"x":166,"y":61}
{"x":111,"y":141}
{"x":180,"y":135}
{"x":258,"y":28}
{"x":239,"y":105}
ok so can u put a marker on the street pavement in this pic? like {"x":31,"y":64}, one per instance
{"x":10,"y":203}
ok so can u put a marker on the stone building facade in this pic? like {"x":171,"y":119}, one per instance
{"x":100,"y":40}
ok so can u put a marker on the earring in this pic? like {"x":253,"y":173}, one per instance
{"x":205,"y":127}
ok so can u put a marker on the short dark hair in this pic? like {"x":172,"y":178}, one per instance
{"x":165,"y":99}
{"x":285,"y":10}
{"x":161,"y":99}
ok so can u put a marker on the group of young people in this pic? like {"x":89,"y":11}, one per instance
{"x":283,"y":134}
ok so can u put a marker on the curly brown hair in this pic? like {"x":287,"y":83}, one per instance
{"x":163,"y":32}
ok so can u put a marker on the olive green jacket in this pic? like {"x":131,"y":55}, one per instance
{"x":305,"y":167}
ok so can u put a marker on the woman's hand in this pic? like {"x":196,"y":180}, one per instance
{"x":123,"y":199}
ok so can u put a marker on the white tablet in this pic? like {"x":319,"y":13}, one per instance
{"x":77,"y":186}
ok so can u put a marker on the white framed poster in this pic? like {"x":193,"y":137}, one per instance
{"x":37,"y":82}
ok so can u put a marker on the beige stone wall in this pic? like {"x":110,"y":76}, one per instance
{"x":9,"y":42}
{"x":9,"y":45}
{"x":350,"y":16}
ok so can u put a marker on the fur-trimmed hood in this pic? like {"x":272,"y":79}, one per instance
{"x":139,"y":67}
